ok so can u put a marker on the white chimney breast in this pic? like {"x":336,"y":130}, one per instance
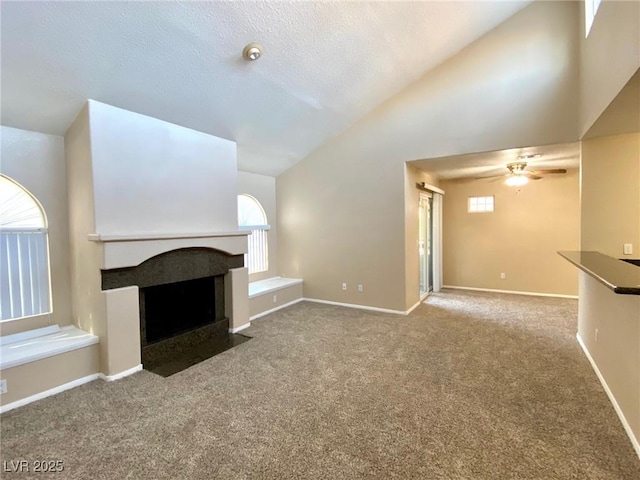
{"x":151,"y":176}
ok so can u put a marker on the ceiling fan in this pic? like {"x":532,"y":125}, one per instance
{"x":517,"y":174}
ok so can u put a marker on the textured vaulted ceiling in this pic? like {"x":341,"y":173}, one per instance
{"x":326,"y":64}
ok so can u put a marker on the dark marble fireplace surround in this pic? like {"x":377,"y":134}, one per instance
{"x":182,"y":300}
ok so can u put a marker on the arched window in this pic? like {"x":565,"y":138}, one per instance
{"x":24,"y":255}
{"x":251,"y":216}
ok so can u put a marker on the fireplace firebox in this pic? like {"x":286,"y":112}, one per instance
{"x":174,"y":308}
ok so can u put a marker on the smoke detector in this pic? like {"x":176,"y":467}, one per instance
{"x":252,"y":52}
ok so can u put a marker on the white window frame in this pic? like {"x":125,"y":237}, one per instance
{"x":25,"y":276}
{"x":484,"y":204}
{"x":257,"y":257}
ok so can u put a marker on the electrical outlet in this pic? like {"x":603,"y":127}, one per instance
{"x":275,"y":298}
{"x":360,"y":288}
{"x":3,"y":386}
{"x":627,"y":249}
{"x":344,"y":286}
{"x":596,"y":335}
{"x":503,"y":276}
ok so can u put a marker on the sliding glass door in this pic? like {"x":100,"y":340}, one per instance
{"x":425,"y":236}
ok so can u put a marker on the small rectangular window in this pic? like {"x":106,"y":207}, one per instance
{"x":480,"y":204}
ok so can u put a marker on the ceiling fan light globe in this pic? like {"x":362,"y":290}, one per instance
{"x":517,"y":180}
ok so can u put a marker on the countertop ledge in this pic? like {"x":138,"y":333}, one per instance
{"x":621,"y":277}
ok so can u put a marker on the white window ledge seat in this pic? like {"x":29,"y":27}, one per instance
{"x":271,"y":294}
{"x":26,"y":347}
{"x":42,"y":362}
{"x":272,"y":284}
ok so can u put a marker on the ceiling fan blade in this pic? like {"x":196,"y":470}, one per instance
{"x":461,"y":179}
{"x":489,"y":176}
{"x":534,"y":177}
{"x":551,"y":170}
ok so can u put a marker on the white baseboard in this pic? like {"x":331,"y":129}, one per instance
{"x":118,"y":376}
{"x":414,"y":307}
{"x":362,"y":307}
{"x":241,"y":327}
{"x":275,"y":309}
{"x":514,"y":292}
{"x":48,"y":393}
{"x":612,"y":399}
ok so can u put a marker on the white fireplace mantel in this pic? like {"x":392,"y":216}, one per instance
{"x":128,"y":237}
{"x":131,"y":249}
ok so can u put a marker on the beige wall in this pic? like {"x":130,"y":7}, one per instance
{"x":89,"y":311}
{"x":122,"y":330}
{"x":236,"y":297}
{"x":474,"y":102}
{"x":520,"y":238}
{"x":609,"y":56}
{"x":36,"y":161}
{"x":610,"y":199}
{"x":264,"y":303}
{"x":615,"y":348}
{"x":41,"y":375}
{"x":623,"y":113}
{"x":611,"y":194}
{"x":263,"y":189}
{"x":342,"y":209}
{"x":610,"y":212}
{"x":341,"y":219}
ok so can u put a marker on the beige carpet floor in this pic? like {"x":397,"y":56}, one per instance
{"x":469,"y":386}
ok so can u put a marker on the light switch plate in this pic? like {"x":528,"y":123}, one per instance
{"x":628,"y":249}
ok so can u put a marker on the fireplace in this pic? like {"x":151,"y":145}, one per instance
{"x":150,"y":203}
{"x":181,"y":305}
